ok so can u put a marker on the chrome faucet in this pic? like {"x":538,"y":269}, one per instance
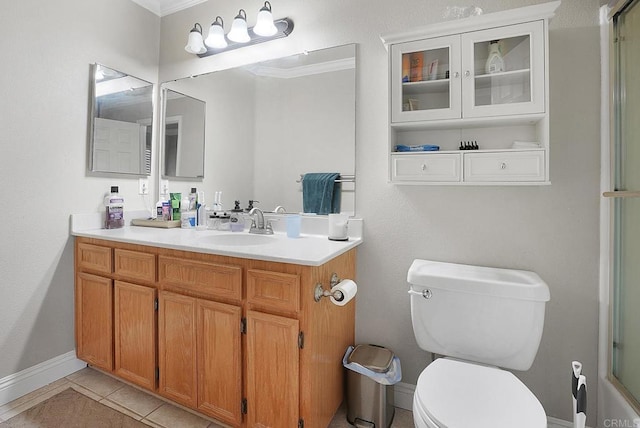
{"x":259,"y":225}
{"x":280,"y":210}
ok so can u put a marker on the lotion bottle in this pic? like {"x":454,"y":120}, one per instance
{"x":184,"y":212}
{"x":495,"y":62}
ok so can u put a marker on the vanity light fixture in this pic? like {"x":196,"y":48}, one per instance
{"x":239,"y":36}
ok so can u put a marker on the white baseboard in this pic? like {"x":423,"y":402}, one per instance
{"x":18,"y":384}
{"x":403,"y":395}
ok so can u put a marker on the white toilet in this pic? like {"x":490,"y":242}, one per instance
{"x":480,"y":320}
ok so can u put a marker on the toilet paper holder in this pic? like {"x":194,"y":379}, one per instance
{"x":319,"y":292}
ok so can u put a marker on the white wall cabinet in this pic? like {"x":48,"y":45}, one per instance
{"x":444,"y":92}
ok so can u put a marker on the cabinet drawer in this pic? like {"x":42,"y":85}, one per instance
{"x":205,"y":279}
{"x":273,"y":290}
{"x":504,"y":166}
{"x":427,"y":167}
{"x":135,"y":265}
{"x":94,"y":258}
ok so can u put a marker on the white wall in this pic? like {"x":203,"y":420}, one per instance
{"x":46,"y":48}
{"x":552,"y":230}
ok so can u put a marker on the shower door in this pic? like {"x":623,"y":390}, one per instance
{"x":625,"y":346}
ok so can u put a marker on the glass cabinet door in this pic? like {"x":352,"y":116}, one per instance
{"x":425,"y":80}
{"x":503,"y":71}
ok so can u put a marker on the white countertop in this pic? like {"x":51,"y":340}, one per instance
{"x":310,"y":249}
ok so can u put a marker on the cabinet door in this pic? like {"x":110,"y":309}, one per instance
{"x":272,"y":371}
{"x":135,"y":334}
{"x":425,"y":80}
{"x":177,"y":348}
{"x":515,"y":83}
{"x":219,"y":361}
{"x":94,"y":320}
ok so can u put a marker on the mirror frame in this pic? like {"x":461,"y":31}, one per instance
{"x":352,"y":176}
{"x":162,"y":134}
{"x":92,"y":124}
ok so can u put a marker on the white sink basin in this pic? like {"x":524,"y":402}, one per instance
{"x":238,"y":239}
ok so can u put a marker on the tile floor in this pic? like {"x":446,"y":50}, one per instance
{"x":142,"y":406}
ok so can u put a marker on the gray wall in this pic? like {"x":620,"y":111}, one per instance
{"x":552,"y":230}
{"x":46,"y":49}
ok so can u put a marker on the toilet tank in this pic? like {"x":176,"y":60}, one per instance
{"x":482,"y":314}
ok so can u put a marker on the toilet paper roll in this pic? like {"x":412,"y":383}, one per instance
{"x":343,"y":292}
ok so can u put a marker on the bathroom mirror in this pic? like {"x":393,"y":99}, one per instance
{"x":120,"y":122}
{"x":269,"y":123}
{"x":183,"y":135}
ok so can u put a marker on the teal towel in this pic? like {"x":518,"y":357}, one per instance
{"x":320,"y":193}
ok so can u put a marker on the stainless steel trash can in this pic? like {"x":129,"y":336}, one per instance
{"x":369,"y":403}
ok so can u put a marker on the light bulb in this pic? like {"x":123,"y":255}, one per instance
{"x":195,"y":44}
{"x":216,"y":39}
{"x":264,"y":25}
{"x":238,"y":31}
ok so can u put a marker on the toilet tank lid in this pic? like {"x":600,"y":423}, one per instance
{"x":498,"y":282}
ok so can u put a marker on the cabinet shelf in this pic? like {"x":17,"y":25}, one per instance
{"x":465,"y":123}
{"x":502,"y":79}
{"x":425,"y":87}
{"x":467,"y":151}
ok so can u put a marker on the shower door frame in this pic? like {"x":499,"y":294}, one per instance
{"x":609,"y":212}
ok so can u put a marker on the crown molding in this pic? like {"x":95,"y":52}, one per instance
{"x":167,"y":7}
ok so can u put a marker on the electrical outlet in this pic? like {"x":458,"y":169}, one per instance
{"x":143,"y":186}
{"x":164,"y":187}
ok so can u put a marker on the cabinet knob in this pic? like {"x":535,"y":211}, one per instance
{"x":503,"y":165}
{"x":456,"y":74}
{"x":424,"y":167}
{"x":467,"y":73}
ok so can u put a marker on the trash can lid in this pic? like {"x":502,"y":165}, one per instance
{"x":374,"y":357}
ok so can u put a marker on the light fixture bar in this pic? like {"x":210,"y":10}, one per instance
{"x":284,"y":26}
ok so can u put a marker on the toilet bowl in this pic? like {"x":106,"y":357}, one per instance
{"x":457,"y":394}
{"x":482,"y":320}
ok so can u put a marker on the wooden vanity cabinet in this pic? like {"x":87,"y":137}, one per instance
{"x":116,"y":319}
{"x":94,"y":320}
{"x":242,"y":341}
{"x":199,"y":344}
{"x":135,"y":333}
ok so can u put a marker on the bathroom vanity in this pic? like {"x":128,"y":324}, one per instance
{"x":229,"y":330}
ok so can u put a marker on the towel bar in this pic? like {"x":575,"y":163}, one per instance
{"x":342,"y":179}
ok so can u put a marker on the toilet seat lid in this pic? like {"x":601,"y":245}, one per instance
{"x":460,"y":394}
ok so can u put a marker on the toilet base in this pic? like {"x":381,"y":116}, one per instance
{"x":420,"y":419}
